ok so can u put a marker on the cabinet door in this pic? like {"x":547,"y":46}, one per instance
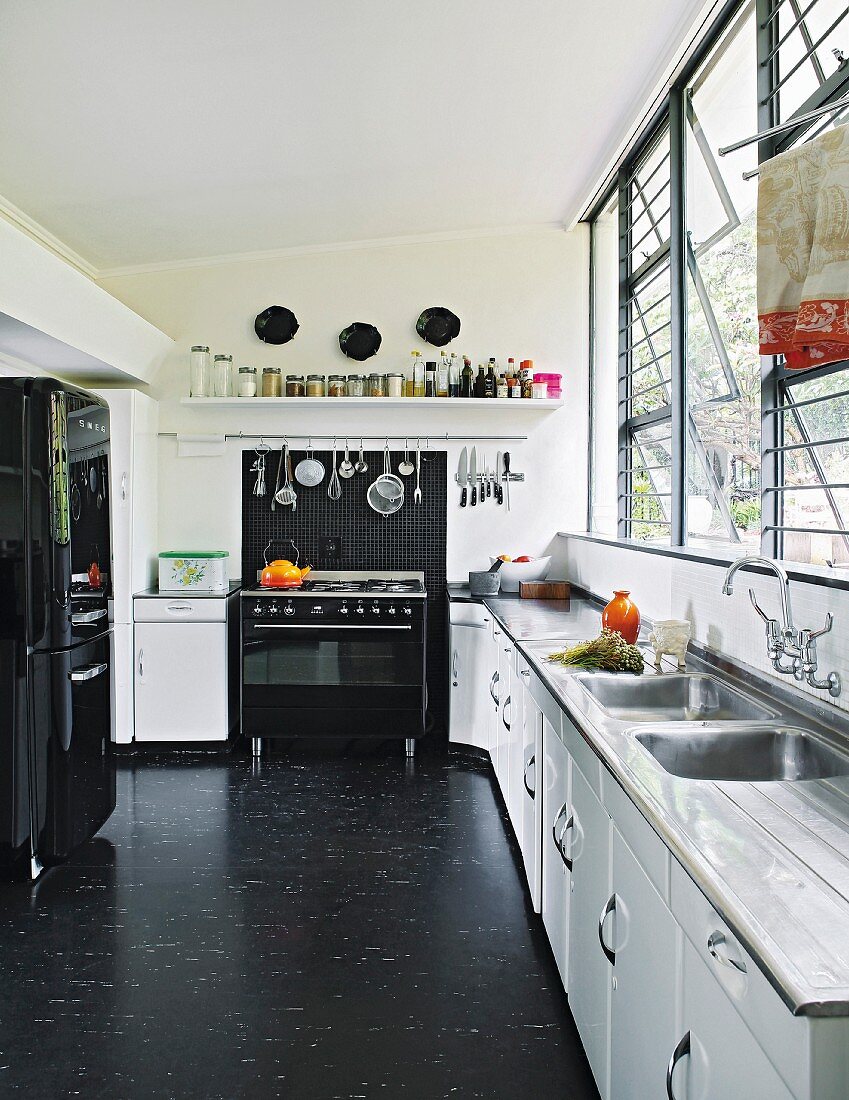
{"x":716,"y":1056}
{"x":643,"y":937}
{"x":556,"y":824}
{"x":531,"y":815}
{"x":495,"y":689}
{"x":515,"y":736}
{"x":588,"y":845}
{"x":469,"y":712}
{"x":502,"y":726}
{"x":181,"y":682}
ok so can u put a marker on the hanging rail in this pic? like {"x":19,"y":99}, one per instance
{"x":784,"y":127}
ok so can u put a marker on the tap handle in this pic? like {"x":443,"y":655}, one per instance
{"x":829,"y":622}
{"x":758,"y":608}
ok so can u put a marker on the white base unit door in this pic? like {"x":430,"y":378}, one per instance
{"x":181,"y":681}
{"x":531,"y":779}
{"x":469,"y":701}
{"x":122,"y":683}
{"x":556,"y":825}
{"x":590,"y":973}
{"x":644,"y":939}
{"x":716,"y":1057}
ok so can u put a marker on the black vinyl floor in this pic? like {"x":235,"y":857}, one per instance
{"x":314,"y":928}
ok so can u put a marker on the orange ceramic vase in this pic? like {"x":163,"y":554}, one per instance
{"x":623,"y":616}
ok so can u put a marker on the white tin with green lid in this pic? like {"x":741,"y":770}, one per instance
{"x":193,"y":571}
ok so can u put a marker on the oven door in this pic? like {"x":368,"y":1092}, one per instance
{"x":317,"y":679}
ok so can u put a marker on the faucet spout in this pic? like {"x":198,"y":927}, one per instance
{"x":783,"y":579}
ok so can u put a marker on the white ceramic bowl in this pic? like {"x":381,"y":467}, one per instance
{"x":512,"y":572}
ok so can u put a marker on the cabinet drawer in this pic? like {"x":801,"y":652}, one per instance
{"x":783,"y":1036}
{"x":180,"y":609}
{"x":468,"y":614}
{"x":582,"y":754}
{"x":545,"y":700}
{"x":653,"y":855}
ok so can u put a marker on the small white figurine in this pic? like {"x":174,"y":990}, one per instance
{"x":670,"y":636}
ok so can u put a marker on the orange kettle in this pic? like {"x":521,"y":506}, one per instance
{"x":283,"y":573}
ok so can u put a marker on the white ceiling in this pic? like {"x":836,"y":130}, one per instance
{"x":167,"y":130}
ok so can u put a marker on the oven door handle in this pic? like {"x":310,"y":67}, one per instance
{"x":87,"y":672}
{"x":326,"y":626}
{"x":80,"y":618}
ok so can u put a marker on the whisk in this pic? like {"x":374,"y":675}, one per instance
{"x":259,"y":469}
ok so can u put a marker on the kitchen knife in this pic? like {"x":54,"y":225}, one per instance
{"x":499,"y":488}
{"x":473,"y":476}
{"x":507,"y":476}
{"x":463,"y":476}
{"x":488,"y":479}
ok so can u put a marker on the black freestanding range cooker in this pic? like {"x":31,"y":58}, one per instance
{"x":341,"y":656}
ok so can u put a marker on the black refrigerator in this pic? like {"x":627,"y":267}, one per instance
{"x":57,"y":778}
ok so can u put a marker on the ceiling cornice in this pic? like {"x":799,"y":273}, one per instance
{"x":15,"y":216}
{"x":337,"y":246}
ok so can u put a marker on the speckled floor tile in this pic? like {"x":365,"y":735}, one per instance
{"x":316,"y":928}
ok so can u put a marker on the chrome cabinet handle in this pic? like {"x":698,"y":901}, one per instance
{"x":496,"y":633}
{"x":528,"y":766}
{"x":609,"y":908}
{"x":560,"y":838}
{"x":715,"y":941}
{"x":485,"y":619}
{"x":124,"y":486}
{"x":141,"y":663}
{"x":83,"y":617}
{"x":454,"y":667}
{"x":681,"y":1051}
{"x":525,"y":674}
{"x":87,"y":672}
{"x":179,"y":608}
{"x":492,"y":684}
{"x":507,"y":702}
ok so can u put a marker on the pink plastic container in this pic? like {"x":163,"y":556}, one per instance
{"x":552,"y":381}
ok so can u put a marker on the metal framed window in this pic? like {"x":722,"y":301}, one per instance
{"x":803,"y":448}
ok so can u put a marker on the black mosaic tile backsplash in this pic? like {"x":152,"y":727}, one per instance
{"x":413,"y":538}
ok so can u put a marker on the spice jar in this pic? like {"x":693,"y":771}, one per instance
{"x":272,"y":382}
{"x":221,"y":375}
{"x":539,"y":390}
{"x":199,"y":372}
{"x":315,"y":385}
{"x":336,"y":385}
{"x":395,"y":385}
{"x":356,"y":385}
{"x":247,"y":382}
{"x":376,"y":385}
{"x":295,"y":386}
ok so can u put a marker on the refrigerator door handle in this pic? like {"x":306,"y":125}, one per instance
{"x":83,"y":617}
{"x":141,"y":663}
{"x":87,"y":672}
{"x":124,"y":486}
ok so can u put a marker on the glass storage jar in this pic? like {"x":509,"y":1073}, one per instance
{"x":221,"y":370}
{"x":199,"y":372}
{"x":247,"y":382}
{"x":295,"y":385}
{"x":272,"y":382}
{"x":315,"y":385}
{"x":336,"y":385}
{"x":376,"y":385}
{"x":395,"y":385}
{"x":356,"y":385}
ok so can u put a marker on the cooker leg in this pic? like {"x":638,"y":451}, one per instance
{"x":256,"y":746}
{"x":411,"y":746}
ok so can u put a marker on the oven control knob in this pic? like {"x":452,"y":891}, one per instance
{"x":407,"y":610}
{"x":375,"y":611}
{"x":288,"y":610}
{"x":343,"y":610}
{"x":391,"y":610}
{"x":361,"y":611}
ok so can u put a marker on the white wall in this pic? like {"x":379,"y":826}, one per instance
{"x":523,"y":295}
{"x":666,"y":587}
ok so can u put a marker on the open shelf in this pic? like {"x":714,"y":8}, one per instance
{"x":517,"y":405}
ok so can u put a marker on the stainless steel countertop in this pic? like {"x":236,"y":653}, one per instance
{"x":156,"y":594}
{"x":773,"y":858}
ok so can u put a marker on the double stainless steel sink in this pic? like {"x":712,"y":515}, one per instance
{"x":698,"y":727}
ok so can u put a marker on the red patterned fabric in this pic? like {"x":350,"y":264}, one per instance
{"x":816,"y":334}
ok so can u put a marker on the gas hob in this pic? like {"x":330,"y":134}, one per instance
{"x":357,"y":597}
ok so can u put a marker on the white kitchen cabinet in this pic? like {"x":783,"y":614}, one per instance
{"x":469,"y":703}
{"x":644,"y":941}
{"x":515,"y":739}
{"x":506,"y":658}
{"x":531,"y":814}
{"x":716,"y":1057}
{"x":186,"y":684}
{"x":556,"y":824}
{"x":588,"y":845}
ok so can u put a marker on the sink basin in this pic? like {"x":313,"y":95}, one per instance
{"x":745,"y":754}
{"x":675,"y":697}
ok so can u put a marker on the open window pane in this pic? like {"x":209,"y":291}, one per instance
{"x":723,"y":366}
